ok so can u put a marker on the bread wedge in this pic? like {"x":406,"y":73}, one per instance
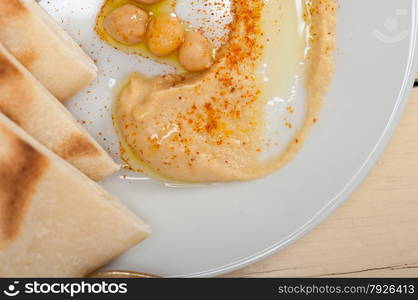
{"x":44,"y":48}
{"x":24,"y":100}
{"x":55,"y":221}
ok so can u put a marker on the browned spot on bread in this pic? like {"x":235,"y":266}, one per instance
{"x":15,"y":90}
{"x":10,"y":9}
{"x":27,"y":57}
{"x":7,"y":69}
{"x":76,"y":146}
{"x":21,"y":168}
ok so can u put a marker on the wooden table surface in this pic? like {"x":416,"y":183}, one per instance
{"x":374,"y":233}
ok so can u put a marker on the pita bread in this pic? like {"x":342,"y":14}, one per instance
{"x":44,"y":48}
{"x":24,"y":100}
{"x":55,"y":221}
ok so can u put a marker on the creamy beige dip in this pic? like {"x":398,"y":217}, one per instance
{"x":209,"y":127}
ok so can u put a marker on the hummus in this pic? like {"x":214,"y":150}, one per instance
{"x":210,"y":127}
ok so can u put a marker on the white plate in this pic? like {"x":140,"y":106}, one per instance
{"x":209,"y":230}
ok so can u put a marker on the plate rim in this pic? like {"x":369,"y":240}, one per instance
{"x":353,"y":183}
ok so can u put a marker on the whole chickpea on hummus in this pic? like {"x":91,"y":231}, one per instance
{"x":209,"y":125}
{"x":150,"y":28}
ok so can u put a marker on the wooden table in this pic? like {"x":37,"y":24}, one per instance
{"x":374,"y":233}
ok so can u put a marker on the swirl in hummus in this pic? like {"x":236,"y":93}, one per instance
{"x":209,"y":127}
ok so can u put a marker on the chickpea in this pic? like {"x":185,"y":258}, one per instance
{"x":146,"y":1}
{"x":195,"y":54}
{"x":164,"y":35}
{"x":127,"y":24}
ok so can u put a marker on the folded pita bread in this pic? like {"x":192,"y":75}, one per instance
{"x":55,"y":221}
{"x":44,"y":48}
{"x":24,"y":100}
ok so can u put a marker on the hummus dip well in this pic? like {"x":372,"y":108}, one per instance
{"x":209,"y":126}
